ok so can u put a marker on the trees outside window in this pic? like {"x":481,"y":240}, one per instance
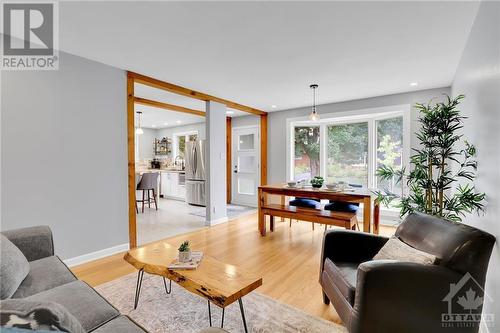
{"x":306,"y":155}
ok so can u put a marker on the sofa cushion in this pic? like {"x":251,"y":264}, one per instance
{"x":46,"y":273}
{"x":344,"y":277}
{"x":83,"y":302}
{"x":37,"y":315}
{"x":14,"y":267}
{"x":122,"y":324}
{"x":338,"y":206}
{"x":395,"y":249}
{"x":304,"y":202}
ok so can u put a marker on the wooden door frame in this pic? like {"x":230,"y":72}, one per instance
{"x":133,"y":78}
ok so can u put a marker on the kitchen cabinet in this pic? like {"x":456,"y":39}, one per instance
{"x":172,"y":185}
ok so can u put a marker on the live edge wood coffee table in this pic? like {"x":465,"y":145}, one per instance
{"x":217,"y":282}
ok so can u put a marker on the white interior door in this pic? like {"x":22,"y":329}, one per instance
{"x":245,"y":164}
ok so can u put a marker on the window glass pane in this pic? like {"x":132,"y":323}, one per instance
{"x":390,"y":150}
{"x":347,"y":153}
{"x":182,"y":145}
{"x":246,"y":141}
{"x":306,"y":156}
{"x":246,"y":186}
{"x":246,"y":164}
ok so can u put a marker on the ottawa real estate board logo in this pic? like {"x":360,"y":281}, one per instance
{"x":30,"y":36}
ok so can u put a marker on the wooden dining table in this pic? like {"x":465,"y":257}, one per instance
{"x":351,"y":195}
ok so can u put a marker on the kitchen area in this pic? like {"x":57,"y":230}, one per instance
{"x":170,"y":167}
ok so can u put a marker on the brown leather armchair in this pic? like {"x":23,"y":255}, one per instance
{"x":392,"y":296}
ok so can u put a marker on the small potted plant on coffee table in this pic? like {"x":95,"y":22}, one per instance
{"x":185,"y":252}
{"x":317,"y":182}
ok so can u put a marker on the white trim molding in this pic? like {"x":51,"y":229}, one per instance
{"x":215,"y":222}
{"x":96,"y":255}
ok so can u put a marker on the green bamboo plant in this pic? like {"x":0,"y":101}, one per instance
{"x":440,"y":176}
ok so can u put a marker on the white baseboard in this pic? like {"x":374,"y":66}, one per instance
{"x":96,"y":255}
{"x":215,"y":222}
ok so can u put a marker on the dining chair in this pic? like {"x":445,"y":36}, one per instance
{"x":148,"y":184}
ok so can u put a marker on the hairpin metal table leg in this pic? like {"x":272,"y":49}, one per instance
{"x":243,"y":315}
{"x":138,"y":286}
{"x":209,"y":314}
{"x":169,"y":290}
{"x":222,"y":321}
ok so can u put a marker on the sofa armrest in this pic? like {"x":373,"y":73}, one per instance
{"x":413,"y":293}
{"x":350,"y":246}
{"x":34,"y":242}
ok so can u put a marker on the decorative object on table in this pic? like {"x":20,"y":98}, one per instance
{"x":438,"y":166}
{"x":317,"y":182}
{"x":342,"y":185}
{"x":192,"y":263}
{"x":292,"y":183}
{"x":314,"y":116}
{"x":185,"y":252}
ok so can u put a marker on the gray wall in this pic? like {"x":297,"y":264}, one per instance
{"x":478,"y":77}
{"x":64,"y":154}
{"x":145,"y":143}
{"x":216,"y":162}
{"x":277,"y":122}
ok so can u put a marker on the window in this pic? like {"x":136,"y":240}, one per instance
{"x":350,"y":146}
{"x":347,"y":157}
{"x":306,"y":155}
{"x":180,"y":140}
{"x":390,"y":149}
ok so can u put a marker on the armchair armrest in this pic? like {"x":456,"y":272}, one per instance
{"x":413,"y":293}
{"x":34,"y":242}
{"x":350,"y":246}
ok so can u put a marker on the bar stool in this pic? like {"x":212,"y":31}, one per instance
{"x":148,"y":183}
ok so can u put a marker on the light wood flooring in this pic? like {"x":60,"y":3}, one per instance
{"x":288,"y":259}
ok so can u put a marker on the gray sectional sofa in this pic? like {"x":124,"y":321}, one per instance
{"x":50,"y":281}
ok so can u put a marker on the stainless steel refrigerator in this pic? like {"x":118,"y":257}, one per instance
{"x":194,"y":156}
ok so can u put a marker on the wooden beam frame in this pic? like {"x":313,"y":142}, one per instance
{"x":263,"y":149}
{"x":132,"y":223}
{"x":149,"y":81}
{"x":133,"y":78}
{"x":166,"y":106}
{"x":229,"y":162}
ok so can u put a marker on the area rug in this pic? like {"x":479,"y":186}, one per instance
{"x":185,"y":312}
{"x":232,"y":211}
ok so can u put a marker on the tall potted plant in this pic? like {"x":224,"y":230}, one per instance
{"x":440,"y":176}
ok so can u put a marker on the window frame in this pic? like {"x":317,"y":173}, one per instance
{"x":371,"y":116}
{"x":176,"y":136}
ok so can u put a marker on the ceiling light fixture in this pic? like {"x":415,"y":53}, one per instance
{"x":229,"y":112}
{"x":414,"y":84}
{"x":165,"y":123}
{"x":153,"y":126}
{"x":139,"y":130}
{"x":178,"y":121}
{"x":314,"y":116}
{"x":274,"y":106}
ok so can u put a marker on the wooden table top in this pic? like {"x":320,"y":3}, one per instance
{"x":214,"y":280}
{"x":310,"y":192}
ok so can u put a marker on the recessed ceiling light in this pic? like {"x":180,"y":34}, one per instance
{"x":414,"y":84}
{"x":274,"y":106}
{"x":229,"y":112}
{"x":178,"y":121}
{"x":153,"y":126}
{"x":165,"y":123}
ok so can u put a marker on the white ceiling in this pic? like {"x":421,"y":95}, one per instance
{"x":265,"y":53}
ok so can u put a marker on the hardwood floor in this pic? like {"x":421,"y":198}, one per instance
{"x":287,"y":259}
